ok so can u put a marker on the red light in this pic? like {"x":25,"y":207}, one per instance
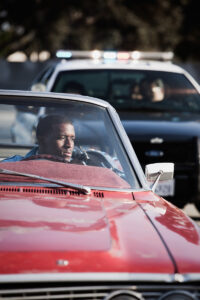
{"x":123,"y":55}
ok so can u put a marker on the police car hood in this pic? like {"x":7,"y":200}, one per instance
{"x":157,"y":124}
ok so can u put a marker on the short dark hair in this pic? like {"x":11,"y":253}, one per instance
{"x":46,"y":123}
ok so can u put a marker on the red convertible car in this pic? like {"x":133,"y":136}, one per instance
{"x":78,"y":217}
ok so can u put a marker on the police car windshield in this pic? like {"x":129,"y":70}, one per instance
{"x":132,"y":89}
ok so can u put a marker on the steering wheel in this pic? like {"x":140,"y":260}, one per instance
{"x":46,"y":156}
{"x":95,"y":158}
{"x":98,"y":158}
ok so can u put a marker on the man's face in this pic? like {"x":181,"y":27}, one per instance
{"x":60,"y":141}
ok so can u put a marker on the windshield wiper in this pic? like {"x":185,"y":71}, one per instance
{"x":84,"y":189}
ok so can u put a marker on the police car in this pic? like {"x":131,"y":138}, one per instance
{"x":158,"y":103}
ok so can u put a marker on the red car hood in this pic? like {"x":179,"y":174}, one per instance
{"x":102,"y":232}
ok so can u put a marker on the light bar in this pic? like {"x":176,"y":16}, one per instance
{"x":167,"y":56}
{"x":109,"y":55}
{"x":135,"y":55}
{"x":68,"y":54}
{"x":63,"y":54}
{"x":96,"y":54}
{"x":123,"y":55}
{"x":115,"y":55}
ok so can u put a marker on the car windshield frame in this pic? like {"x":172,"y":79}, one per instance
{"x":46,"y":98}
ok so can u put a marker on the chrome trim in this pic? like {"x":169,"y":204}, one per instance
{"x":129,"y":149}
{"x":156,"y":140}
{"x":92,"y":277}
{"x":178,"y":293}
{"x":131,"y":190}
{"x":93,"y":188}
{"x":62,"y":96}
{"x":103,"y":292}
{"x":118,"y":293}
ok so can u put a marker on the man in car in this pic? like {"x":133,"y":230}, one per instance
{"x":55,"y":135}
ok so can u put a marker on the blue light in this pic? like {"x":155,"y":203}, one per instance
{"x":63,"y":54}
{"x":109,"y":55}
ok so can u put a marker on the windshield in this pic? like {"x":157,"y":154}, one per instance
{"x":133,"y":89}
{"x":74,"y":142}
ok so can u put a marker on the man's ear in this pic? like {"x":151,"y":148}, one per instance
{"x":41,"y":140}
{"x":41,"y":143}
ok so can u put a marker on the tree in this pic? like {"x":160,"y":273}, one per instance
{"x":37,"y":25}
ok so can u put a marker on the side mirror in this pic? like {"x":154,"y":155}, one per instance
{"x":159,"y":171}
{"x":38,"y":87}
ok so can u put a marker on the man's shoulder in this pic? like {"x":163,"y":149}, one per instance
{"x":14,"y":158}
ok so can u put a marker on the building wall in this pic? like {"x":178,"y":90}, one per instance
{"x":19,"y":75}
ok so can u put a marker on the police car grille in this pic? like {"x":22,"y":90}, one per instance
{"x":181,"y":152}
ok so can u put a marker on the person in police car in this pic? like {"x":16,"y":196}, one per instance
{"x":152,"y":90}
{"x":149,"y":90}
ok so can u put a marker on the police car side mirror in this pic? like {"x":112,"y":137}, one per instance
{"x":38,"y":87}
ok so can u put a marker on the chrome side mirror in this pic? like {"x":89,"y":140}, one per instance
{"x":159,"y":171}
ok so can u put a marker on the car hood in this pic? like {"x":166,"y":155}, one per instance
{"x":102,"y":232}
{"x":180,"y":234}
{"x":146,"y":125}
